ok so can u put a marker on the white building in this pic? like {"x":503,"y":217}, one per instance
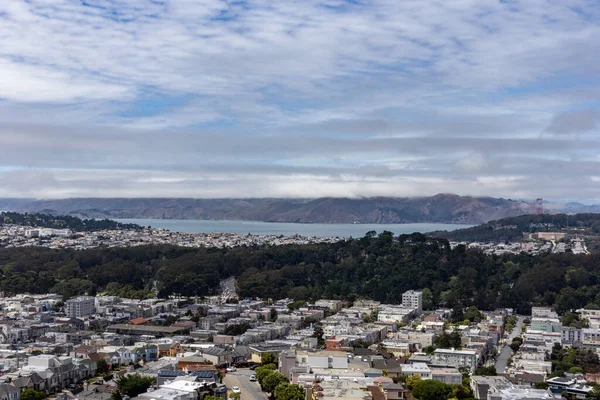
{"x":322,"y":359}
{"x":419,"y":369}
{"x":80,"y":307}
{"x":543,"y":312}
{"x":413,"y":299}
{"x":333,"y":305}
{"x":47,"y":232}
{"x":456,"y":358}
{"x":396,"y":313}
{"x":545,"y":324}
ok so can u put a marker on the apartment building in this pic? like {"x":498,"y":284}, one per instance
{"x":413,"y":299}
{"x":456,"y":358}
{"x":80,"y":307}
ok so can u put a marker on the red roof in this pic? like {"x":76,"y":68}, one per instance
{"x":138,"y":321}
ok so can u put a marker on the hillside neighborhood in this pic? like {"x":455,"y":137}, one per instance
{"x":27,"y":236}
{"x":193,"y":348}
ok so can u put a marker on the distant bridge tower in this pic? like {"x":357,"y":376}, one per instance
{"x":539,"y":206}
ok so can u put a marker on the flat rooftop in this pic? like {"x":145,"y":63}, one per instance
{"x":148,"y":328}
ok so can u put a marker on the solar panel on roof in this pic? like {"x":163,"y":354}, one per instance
{"x":203,"y":374}
{"x":171,"y":373}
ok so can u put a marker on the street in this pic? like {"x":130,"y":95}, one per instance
{"x":506,"y":351}
{"x":228,"y":290}
{"x":241,"y":378}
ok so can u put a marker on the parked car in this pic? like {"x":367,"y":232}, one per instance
{"x":231,"y":369}
{"x":253,"y":378}
{"x":236,"y":389}
{"x":253,"y":367}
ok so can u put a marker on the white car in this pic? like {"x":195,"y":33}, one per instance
{"x":231,"y":369}
{"x":236,"y":389}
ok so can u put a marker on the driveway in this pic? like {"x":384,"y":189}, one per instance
{"x":241,"y":379}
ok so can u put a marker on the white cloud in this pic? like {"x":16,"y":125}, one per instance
{"x":300,"y":96}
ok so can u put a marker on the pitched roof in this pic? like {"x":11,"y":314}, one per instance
{"x":214,"y":351}
{"x":376,"y":393}
{"x":5,"y":389}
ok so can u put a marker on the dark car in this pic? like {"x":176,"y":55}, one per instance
{"x":253,"y":367}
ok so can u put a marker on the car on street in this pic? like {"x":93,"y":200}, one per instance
{"x":236,"y":389}
{"x":253,"y":378}
{"x":231,"y":369}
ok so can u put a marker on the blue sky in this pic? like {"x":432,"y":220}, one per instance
{"x":307,"y":98}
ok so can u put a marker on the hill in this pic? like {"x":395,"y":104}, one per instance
{"x":61,"y":222}
{"x":512,"y":229}
{"x":441,"y":208}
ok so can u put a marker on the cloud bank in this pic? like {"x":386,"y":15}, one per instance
{"x":214,"y":98}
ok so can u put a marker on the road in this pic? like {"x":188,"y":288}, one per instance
{"x":228,"y":289}
{"x":241,"y":378}
{"x":506,"y":351}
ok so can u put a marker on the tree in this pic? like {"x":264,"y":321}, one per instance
{"x":457,"y":314}
{"x":273,"y":314}
{"x":102,"y":367}
{"x":460,"y":391}
{"x":427,"y":299}
{"x":431,"y":390}
{"x":30,"y":394}
{"x":447,"y":341}
{"x":318,"y":333}
{"x":133,"y":385}
{"x":235,"y":396}
{"x":58,"y":306}
{"x":263,"y":372}
{"x":473,"y":314}
{"x":268,"y":358}
{"x":272,"y":380}
{"x":412,"y":380}
{"x":285,"y":391}
{"x":516,"y":344}
{"x":485,"y":371}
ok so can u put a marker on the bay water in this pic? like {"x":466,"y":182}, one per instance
{"x":287,"y":229}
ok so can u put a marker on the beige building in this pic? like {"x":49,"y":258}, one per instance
{"x":549,"y":235}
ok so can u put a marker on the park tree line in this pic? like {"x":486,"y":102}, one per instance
{"x":379,"y":267}
{"x":61,"y":222}
{"x":511,"y":229}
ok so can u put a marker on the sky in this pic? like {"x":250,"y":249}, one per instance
{"x":307,"y":98}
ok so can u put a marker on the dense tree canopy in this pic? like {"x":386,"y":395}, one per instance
{"x":62,"y":222}
{"x":380,"y":267}
{"x":431,"y":390}
{"x":271,"y":381}
{"x":511,"y":229}
{"x":573,"y":360}
{"x":133,"y":385}
{"x":285,"y":391}
{"x":30,"y":394}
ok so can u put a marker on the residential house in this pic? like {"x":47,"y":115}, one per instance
{"x":447,"y":375}
{"x":169,"y":349}
{"x":218,"y":355}
{"x":9,"y":392}
{"x":417,"y":369}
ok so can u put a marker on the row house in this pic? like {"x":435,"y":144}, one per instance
{"x":50,"y":374}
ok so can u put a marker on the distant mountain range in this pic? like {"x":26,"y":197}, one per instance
{"x":441,"y":208}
